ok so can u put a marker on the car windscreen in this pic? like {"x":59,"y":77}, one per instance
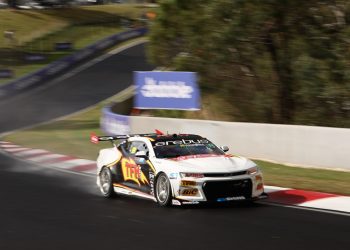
{"x":185,"y":147}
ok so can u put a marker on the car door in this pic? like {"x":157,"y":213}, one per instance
{"x":136,"y":170}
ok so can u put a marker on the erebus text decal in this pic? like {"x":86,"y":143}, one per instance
{"x":179,"y":142}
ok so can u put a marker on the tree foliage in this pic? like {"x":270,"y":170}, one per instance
{"x":277,"y":61}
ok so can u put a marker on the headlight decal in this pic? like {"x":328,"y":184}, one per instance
{"x":193,"y":175}
{"x":253,"y":170}
{"x":188,"y":183}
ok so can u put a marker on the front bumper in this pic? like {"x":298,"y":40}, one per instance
{"x":192,"y":191}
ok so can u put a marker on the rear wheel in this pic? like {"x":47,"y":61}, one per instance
{"x":163,"y":190}
{"x":106,"y":184}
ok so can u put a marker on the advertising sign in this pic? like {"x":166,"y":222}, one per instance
{"x":114,"y":124}
{"x":166,"y":90}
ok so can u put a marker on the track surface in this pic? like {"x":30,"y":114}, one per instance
{"x":49,"y":209}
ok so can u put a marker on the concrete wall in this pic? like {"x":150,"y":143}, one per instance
{"x":299,"y":145}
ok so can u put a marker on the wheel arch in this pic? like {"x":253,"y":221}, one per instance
{"x":171,"y":186}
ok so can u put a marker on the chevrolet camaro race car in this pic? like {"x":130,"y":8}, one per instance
{"x":175,"y":169}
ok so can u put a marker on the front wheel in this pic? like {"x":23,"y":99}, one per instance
{"x":163,"y":190}
{"x":106,"y":184}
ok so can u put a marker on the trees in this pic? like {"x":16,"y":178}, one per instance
{"x":273,"y":61}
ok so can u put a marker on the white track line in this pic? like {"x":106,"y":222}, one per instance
{"x":9,"y":146}
{"x":71,"y":163}
{"x":13,"y":150}
{"x":45,"y":157}
{"x":341,"y":203}
{"x":30,"y":152}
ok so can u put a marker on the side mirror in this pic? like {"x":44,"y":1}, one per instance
{"x":141,"y":154}
{"x":224,"y":148}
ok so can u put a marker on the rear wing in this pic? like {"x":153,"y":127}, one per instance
{"x":96,"y":139}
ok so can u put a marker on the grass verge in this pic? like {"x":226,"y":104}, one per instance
{"x":71,"y":136}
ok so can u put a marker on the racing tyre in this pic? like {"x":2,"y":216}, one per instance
{"x":163,"y":190}
{"x":106,"y":184}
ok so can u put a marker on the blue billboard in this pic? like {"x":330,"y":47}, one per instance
{"x":166,"y":90}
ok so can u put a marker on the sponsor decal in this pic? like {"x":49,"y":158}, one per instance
{"x":188,"y":183}
{"x":132,"y":172}
{"x":173,"y":176}
{"x":237,"y":198}
{"x":182,"y":158}
{"x":176,"y":202}
{"x":181,"y":142}
{"x":151,"y":182}
{"x":189,"y":192}
{"x":190,"y":202}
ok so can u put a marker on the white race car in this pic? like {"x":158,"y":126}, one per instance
{"x":175,"y":169}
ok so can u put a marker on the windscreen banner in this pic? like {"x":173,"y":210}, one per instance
{"x":166,"y":90}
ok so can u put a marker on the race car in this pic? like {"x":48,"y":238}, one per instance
{"x":175,"y":169}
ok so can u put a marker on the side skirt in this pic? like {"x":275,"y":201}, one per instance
{"x":121,"y":189}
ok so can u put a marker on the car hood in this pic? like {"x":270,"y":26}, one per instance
{"x":208,"y":163}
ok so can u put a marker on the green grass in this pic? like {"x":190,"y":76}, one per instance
{"x":71,"y":136}
{"x":322,"y":180}
{"x":38,"y":31}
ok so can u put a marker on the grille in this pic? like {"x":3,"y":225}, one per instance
{"x":223,"y":189}
{"x":225,"y":174}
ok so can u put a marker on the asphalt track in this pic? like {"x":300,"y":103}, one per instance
{"x":50,"y":209}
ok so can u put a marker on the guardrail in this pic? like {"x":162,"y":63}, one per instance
{"x":53,"y":69}
{"x":321,"y":147}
